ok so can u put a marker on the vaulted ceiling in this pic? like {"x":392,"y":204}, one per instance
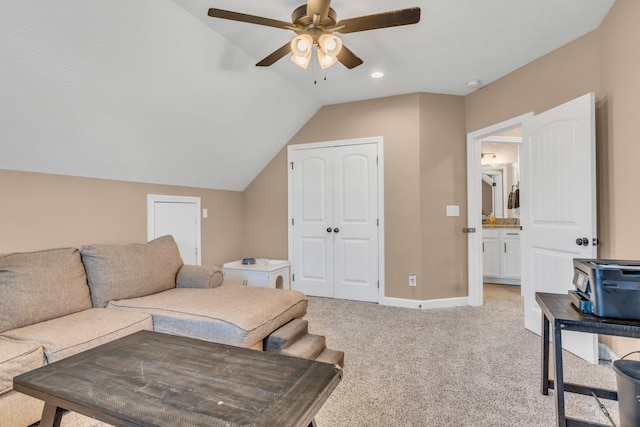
{"x":157,"y":91}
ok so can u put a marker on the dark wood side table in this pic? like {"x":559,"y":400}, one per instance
{"x":559,"y":314}
{"x":149,"y":379}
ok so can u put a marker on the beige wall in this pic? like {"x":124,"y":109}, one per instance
{"x":443,"y":173}
{"x":605,"y":62}
{"x":424,"y":146}
{"x":558,"y":77}
{"x":265,"y":211}
{"x":41,"y":211}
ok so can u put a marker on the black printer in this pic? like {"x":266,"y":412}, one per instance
{"x":607,"y":288}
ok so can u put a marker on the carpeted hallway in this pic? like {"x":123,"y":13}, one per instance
{"x":465,"y":366}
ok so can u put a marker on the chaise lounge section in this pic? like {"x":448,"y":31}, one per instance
{"x":60,"y":302}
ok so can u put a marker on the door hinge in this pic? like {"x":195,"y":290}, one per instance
{"x":291,"y":165}
{"x":293,"y":277}
{"x":293,"y":221}
{"x":378,"y":284}
{"x":378,"y":222}
{"x":376,"y":160}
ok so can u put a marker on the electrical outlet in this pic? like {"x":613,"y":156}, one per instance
{"x":412,"y":279}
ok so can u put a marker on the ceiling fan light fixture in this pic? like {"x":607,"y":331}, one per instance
{"x":330,"y":44}
{"x":302,"y":45}
{"x":325,"y":60}
{"x":301,"y":61}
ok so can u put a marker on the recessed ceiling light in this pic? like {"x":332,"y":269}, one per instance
{"x":377,"y":74}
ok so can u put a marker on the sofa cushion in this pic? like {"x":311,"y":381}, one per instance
{"x":17,"y":357}
{"x":235,"y":315}
{"x":77,"y":332}
{"x":130,"y":271}
{"x":41,"y":285}
{"x":17,"y":409}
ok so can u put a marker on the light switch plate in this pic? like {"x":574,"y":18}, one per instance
{"x":453,"y":210}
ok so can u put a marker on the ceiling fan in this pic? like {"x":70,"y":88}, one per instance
{"x":314,"y":23}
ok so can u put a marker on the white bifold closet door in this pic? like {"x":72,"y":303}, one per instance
{"x":335,"y":221}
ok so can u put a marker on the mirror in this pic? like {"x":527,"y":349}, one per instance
{"x":497,"y":184}
{"x":492,"y":189}
{"x":500,"y":173}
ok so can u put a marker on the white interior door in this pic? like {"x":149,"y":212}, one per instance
{"x":179,"y":217}
{"x":334,"y":221}
{"x":558,"y":200}
{"x":355,"y":195}
{"x":312,"y":218}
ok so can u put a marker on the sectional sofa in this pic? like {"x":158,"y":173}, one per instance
{"x":59,"y":302}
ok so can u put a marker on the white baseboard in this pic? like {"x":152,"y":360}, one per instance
{"x":605,"y":353}
{"x":425,"y":304}
{"x":498,"y":281}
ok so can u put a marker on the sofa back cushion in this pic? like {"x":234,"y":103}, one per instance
{"x":43,"y":285}
{"x":129,"y":271}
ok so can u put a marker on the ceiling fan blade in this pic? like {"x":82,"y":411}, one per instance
{"x":320,"y":7}
{"x":348,"y":58}
{"x":392,"y":18}
{"x":250,"y":19}
{"x":275,"y":56}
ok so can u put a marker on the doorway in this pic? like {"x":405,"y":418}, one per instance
{"x":500,"y":204}
{"x":474,"y":195}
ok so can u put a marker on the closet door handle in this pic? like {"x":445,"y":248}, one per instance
{"x":336,"y":230}
{"x":329,"y":230}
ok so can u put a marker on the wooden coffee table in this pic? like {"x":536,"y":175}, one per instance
{"x":151,"y":379}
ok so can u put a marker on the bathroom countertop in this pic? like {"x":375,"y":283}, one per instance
{"x":501,"y":226}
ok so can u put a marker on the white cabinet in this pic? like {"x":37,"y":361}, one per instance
{"x":510,"y":253}
{"x":501,"y":255}
{"x":271,"y":273}
{"x":491,"y":252}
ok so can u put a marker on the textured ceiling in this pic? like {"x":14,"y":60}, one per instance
{"x":156,"y":91}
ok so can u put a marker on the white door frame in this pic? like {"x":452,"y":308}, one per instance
{"x":379,"y":141}
{"x":474,"y":200}
{"x":153,"y":198}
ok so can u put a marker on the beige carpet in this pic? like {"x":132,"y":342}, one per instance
{"x":466,"y":366}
